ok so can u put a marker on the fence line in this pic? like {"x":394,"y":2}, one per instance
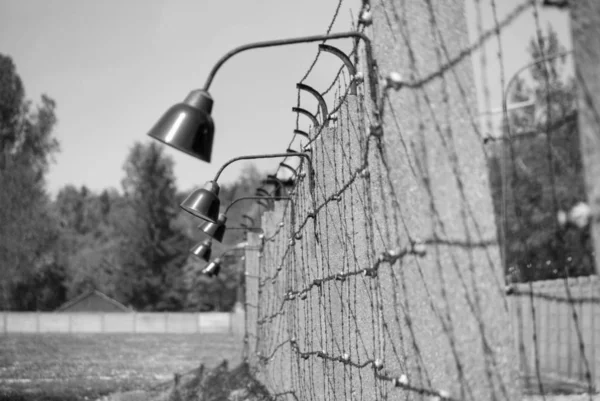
{"x":121,"y":322}
{"x":389,"y":278}
{"x":557,"y":338}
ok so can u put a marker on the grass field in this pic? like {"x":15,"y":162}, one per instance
{"x":66,"y":367}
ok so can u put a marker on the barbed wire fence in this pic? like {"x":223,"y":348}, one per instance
{"x":431,"y":256}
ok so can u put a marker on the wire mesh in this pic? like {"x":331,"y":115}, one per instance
{"x":444,"y":253}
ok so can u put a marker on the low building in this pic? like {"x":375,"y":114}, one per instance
{"x":93,"y":301}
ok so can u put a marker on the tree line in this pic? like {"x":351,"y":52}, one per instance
{"x":131,"y":244}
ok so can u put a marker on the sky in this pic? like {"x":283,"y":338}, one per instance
{"x":114,"y":67}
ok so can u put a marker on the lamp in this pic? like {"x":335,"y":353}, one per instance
{"x":213,"y":268}
{"x":202,"y":250}
{"x":188,"y":126}
{"x":207,"y":245}
{"x":216,"y":230}
{"x":204,"y":203}
{"x":262,"y":192}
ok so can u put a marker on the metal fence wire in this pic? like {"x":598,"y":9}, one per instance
{"x":445,"y":250}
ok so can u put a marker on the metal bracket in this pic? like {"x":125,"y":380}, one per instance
{"x":287,"y":166}
{"x":263,"y":204}
{"x":262,"y":191}
{"x":317,"y":95}
{"x":249,"y":218}
{"x":302,"y":133}
{"x":307,"y":114}
{"x":272,"y":180}
{"x":347,"y":62}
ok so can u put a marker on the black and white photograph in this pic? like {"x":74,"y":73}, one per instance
{"x":320,"y":200}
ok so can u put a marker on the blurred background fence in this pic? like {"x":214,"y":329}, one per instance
{"x":117,"y":322}
{"x":435,"y":254}
{"x":566,"y":348}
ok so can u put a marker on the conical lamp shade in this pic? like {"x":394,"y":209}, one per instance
{"x":213,"y":268}
{"x":188,"y":126}
{"x":215,"y":230}
{"x":204,"y":203}
{"x":202,"y":250}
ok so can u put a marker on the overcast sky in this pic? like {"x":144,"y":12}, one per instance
{"x":114,"y":67}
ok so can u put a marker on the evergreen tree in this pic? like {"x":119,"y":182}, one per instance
{"x":28,"y":232}
{"x":151,"y":249}
{"x":220,"y":293}
{"x":88,"y":241}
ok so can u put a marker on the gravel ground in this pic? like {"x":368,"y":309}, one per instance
{"x":69,"y":367}
{"x":579,"y":397}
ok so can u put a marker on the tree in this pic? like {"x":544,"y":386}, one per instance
{"x":543,"y":173}
{"x":28,"y":231}
{"x":212,"y":293}
{"x":151,"y":250}
{"x":88,"y":239}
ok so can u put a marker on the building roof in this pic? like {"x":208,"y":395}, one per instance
{"x":99,"y":300}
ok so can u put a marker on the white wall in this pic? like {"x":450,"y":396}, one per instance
{"x":126,"y":322}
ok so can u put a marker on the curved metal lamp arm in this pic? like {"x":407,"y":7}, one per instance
{"x":271,"y":156}
{"x":292,"y":41}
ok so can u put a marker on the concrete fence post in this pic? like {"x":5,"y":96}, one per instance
{"x":585,"y":27}
{"x":350,"y":288}
{"x":592,"y":330}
